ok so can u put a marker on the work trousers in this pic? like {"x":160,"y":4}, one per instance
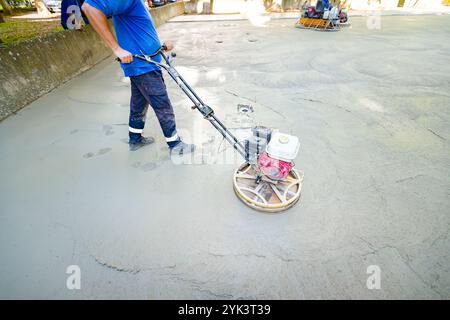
{"x":149,"y":89}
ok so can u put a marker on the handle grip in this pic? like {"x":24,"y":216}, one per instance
{"x":161,"y":49}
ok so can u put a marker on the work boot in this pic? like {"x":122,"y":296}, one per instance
{"x":182,"y":148}
{"x":144,"y":141}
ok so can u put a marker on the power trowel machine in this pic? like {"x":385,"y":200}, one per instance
{"x":267,"y":180}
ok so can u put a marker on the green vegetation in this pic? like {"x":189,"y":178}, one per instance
{"x":20,"y":8}
{"x":15,"y":30}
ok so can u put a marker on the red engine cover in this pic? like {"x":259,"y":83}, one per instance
{"x":273,"y":168}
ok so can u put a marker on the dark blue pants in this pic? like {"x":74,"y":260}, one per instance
{"x":149,"y":88}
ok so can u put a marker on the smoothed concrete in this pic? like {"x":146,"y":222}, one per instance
{"x":371,"y":109}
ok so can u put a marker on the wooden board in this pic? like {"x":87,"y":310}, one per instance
{"x":311,"y":23}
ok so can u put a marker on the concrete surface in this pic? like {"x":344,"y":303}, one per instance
{"x":371,"y":109}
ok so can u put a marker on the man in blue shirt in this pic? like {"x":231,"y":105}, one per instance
{"x":136,"y":34}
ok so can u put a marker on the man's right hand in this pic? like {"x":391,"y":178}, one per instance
{"x":123,"y":55}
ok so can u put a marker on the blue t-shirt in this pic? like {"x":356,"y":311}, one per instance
{"x":135,"y":31}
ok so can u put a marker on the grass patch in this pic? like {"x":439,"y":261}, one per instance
{"x":16,"y":30}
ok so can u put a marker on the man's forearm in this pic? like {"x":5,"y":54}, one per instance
{"x":100,"y":24}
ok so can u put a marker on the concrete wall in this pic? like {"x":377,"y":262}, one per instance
{"x":190,"y":7}
{"x":161,"y":14}
{"x":198,"y":6}
{"x":32,"y":68}
{"x":292,"y":4}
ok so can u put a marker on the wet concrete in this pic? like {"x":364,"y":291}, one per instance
{"x":370,"y":108}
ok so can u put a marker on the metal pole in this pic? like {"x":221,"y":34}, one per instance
{"x":203,"y":108}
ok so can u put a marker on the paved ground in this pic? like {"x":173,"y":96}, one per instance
{"x":371,"y":108}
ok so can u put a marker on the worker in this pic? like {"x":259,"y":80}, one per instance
{"x":136,"y":34}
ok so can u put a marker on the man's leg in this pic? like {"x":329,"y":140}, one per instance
{"x":138,"y":112}
{"x":153,"y":88}
{"x":166,"y":117}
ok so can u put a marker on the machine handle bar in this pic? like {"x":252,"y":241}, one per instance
{"x":207,"y":112}
{"x":147,"y":57}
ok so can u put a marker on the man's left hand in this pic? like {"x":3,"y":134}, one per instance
{"x":169,"y":45}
